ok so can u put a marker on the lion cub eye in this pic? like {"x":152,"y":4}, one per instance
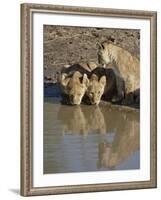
{"x":99,"y":92}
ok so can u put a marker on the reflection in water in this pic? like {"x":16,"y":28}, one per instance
{"x":81,"y":119}
{"x":89,"y":138}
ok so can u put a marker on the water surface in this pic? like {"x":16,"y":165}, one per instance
{"x":89,"y":138}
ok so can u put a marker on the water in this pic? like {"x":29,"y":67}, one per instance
{"x":89,"y":138}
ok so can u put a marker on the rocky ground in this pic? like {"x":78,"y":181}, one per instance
{"x":69,"y":45}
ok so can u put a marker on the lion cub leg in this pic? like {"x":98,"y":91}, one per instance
{"x":132,"y":95}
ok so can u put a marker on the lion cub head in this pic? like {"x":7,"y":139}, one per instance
{"x":74,"y":86}
{"x":96,"y":88}
{"x":104,"y":53}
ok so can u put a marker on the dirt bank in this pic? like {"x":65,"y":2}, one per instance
{"x":68,"y":45}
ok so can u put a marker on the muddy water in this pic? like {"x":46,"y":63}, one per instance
{"x":89,"y":138}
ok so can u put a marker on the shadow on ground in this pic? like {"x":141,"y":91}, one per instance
{"x":15,"y":191}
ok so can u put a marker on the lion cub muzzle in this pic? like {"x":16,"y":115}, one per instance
{"x":96,"y":89}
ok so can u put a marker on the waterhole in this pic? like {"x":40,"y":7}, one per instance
{"x":89,"y":138}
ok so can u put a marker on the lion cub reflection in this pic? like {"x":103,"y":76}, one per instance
{"x":83,"y":120}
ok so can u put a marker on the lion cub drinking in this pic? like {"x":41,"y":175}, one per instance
{"x":74,"y":82}
{"x":107,"y":83}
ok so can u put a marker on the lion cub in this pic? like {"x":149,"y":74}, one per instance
{"x":74,"y":82}
{"x":127,"y":64}
{"x":107,"y":83}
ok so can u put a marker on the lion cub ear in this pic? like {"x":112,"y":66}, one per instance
{"x":103,"y":80}
{"x":76,"y":75}
{"x":63,"y":79}
{"x":100,"y":46}
{"x":85,"y":79}
{"x":94,"y":77}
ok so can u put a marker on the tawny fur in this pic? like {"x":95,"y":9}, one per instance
{"x":103,"y":82}
{"x":74,"y":81}
{"x":127,"y":65}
